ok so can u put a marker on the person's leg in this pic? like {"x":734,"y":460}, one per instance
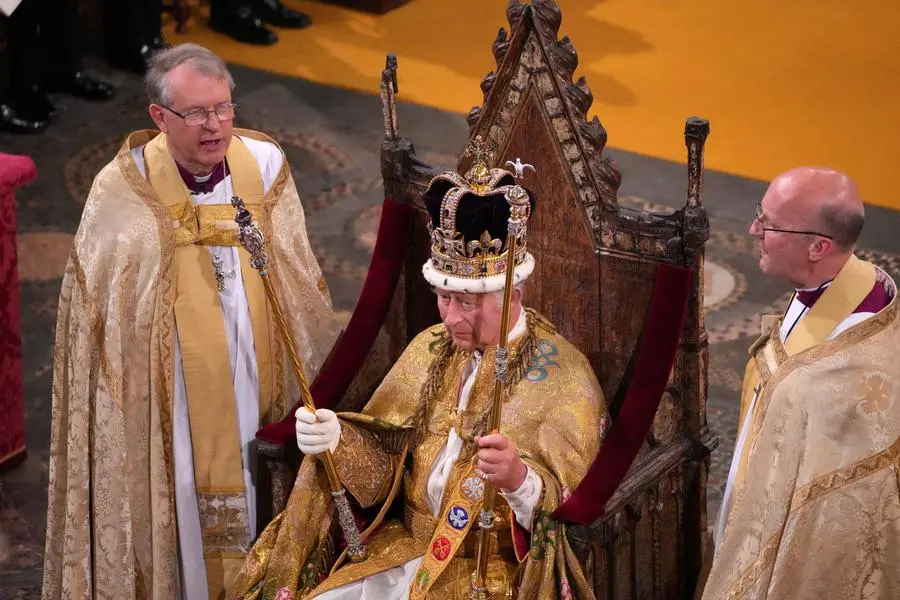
{"x":25,"y":57}
{"x":60,"y":36}
{"x":61,"y":43}
{"x":153,"y":24}
{"x":24,"y":107}
{"x":24,"y":66}
{"x":122,"y":30}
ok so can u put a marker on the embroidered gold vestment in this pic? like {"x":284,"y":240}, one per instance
{"x":817,"y":509}
{"x":136,"y":265}
{"x":556,"y":415}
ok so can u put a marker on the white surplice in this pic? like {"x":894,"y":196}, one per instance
{"x":239,"y":333}
{"x":393,"y":584}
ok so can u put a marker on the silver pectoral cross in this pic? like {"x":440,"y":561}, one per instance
{"x":220,"y":274}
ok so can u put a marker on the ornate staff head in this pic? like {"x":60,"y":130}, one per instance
{"x":250,"y":236}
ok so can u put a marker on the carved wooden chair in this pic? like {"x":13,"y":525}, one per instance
{"x":601,"y":277}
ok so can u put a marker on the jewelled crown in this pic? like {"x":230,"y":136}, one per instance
{"x":471,"y":219}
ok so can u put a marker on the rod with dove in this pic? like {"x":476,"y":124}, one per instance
{"x":519,"y":209}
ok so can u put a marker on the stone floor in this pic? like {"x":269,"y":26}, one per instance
{"x":332,"y":138}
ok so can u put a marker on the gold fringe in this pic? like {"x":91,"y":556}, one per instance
{"x":444,"y":350}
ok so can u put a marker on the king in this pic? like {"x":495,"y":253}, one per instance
{"x":420,"y":460}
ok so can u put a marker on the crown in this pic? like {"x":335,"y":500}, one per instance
{"x":471,"y":219}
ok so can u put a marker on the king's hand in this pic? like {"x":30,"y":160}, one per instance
{"x":499,"y":460}
{"x":317,"y":432}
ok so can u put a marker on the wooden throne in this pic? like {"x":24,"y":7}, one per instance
{"x":596,"y":265}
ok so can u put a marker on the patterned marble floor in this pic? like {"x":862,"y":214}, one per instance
{"x":332,"y":137}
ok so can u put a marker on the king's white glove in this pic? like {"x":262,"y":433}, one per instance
{"x":317,"y":432}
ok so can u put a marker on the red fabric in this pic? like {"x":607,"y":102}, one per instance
{"x":655,"y":359}
{"x":356,"y":342}
{"x":15,"y":171}
{"x":880,"y":296}
{"x":521,"y":539}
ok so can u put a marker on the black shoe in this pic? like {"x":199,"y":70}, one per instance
{"x":277,"y":14}
{"x":243,"y":26}
{"x":32,"y":104}
{"x":14,"y":121}
{"x":80,"y":85}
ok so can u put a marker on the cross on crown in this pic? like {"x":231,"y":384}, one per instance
{"x":479,"y":174}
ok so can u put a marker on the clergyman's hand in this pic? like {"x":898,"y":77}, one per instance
{"x":499,"y":460}
{"x":317,"y":432}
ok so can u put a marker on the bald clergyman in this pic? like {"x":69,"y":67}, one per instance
{"x":811,"y":508}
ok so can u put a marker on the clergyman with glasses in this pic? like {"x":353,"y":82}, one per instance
{"x":811,"y":508}
{"x":166,"y":360}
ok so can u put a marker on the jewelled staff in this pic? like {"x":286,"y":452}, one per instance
{"x":253,"y":241}
{"x":519,"y":209}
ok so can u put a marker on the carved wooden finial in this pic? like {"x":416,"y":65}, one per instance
{"x":696,"y":131}
{"x":389,"y":90}
{"x":389,"y":74}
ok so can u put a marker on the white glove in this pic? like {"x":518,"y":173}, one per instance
{"x":317,"y":432}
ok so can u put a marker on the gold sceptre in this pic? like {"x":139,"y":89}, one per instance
{"x":519,"y":208}
{"x":253,"y":241}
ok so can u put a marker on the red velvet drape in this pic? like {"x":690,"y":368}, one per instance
{"x":655,"y":358}
{"x":15,"y":171}
{"x":371,"y":310}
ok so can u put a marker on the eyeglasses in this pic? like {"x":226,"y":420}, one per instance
{"x":200,"y":116}
{"x":765,"y":228}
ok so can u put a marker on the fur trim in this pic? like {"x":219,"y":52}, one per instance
{"x":467,"y":285}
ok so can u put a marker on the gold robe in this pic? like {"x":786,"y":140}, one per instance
{"x":555,"y":414}
{"x":817,"y":511}
{"x":111,"y":524}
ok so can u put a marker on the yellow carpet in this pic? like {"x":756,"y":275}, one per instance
{"x":782,"y":83}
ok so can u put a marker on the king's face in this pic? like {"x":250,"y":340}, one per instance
{"x":472,"y":320}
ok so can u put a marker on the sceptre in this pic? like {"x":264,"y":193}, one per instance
{"x":519,"y":208}
{"x":253,"y":241}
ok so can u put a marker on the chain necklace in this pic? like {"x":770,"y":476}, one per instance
{"x":220,"y":273}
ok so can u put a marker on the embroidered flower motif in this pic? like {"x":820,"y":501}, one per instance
{"x":473,"y":488}
{"x":566,"y":493}
{"x":542,"y":535}
{"x":543,"y":359}
{"x":875,"y":395}
{"x":284,"y":594}
{"x":441,"y":548}
{"x":422,"y":580}
{"x":565,"y":592}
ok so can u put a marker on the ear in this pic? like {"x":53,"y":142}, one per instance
{"x":158,"y":116}
{"x":820,"y":248}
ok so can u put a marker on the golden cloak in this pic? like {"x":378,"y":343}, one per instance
{"x":556,"y":415}
{"x":111,"y":526}
{"x":817,"y":514}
